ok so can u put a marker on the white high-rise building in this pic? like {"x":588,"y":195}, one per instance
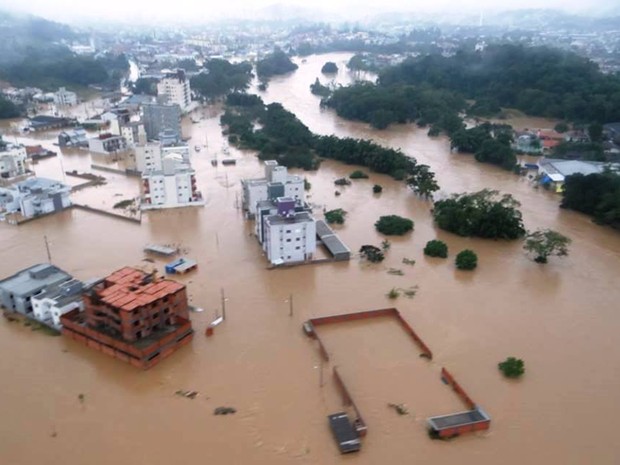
{"x":174,"y":185}
{"x":276,"y":183}
{"x":12,"y":160}
{"x":288,"y":236}
{"x":174,"y":88}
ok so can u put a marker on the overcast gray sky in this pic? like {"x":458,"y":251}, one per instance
{"x":67,"y":10}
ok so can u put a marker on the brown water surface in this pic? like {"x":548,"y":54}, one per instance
{"x":561,"y":318}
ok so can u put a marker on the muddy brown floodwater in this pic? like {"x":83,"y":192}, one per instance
{"x":561,"y":318}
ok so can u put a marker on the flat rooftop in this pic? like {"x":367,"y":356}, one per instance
{"x":457,"y":419}
{"x":298,"y":217}
{"x":33,"y":279}
{"x":130,"y":288}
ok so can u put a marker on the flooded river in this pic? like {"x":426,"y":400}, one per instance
{"x":561,"y":318}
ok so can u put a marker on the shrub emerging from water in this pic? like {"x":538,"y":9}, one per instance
{"x":512,"y":367}
{"x":376,"y":189}
{"x":358,"y":174}
{"x":466,"y":260}
{"x":436,"y":248}
{"x":335,"y":216}
{"x":372,"y":254}
{"x":394,"y":225}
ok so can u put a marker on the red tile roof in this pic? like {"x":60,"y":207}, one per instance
{"x":127,"y":289}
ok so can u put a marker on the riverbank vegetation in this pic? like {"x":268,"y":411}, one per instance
{"x":63,"y":68}
{"x":539,"y":81}
{"x":432,"y":90}
{"x":597,"y":195}
{"x":278,"y":134}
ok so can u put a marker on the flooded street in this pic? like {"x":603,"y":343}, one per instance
{"x":561,"y":319}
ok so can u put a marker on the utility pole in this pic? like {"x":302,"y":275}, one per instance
{"x":47,"y":248}
{"x":321,"y":372}
{"x":223,"y":304}
{"x":290,"y":305}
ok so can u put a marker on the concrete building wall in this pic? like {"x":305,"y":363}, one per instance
{"x":148,"y":157}
{"x":13,"y":161}
{"x":289,"y":241}
{"x":175,"y":89}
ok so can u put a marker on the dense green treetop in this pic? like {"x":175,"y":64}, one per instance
{"x":394,"y":225}
{"x":466,"y":260}
{"x":8,"y":109}
{"x":329,"y":68}
{"x":537,"y":80}
{"x":277,"y":133}
{"x":483,"y":214}
{"x":597,"y":195}
{"x":381,"y":105}
{"x":221,"y":77}
{"x":274,"y":64}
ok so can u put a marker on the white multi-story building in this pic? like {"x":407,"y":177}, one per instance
{"x":149,"y":156}
{"x":289,"y":236}
{"x":34,"y":197}
{"x":174,"y":88}
{"x":174,"y":185}
{"x":276,"y":183}
{"x":64,"y":97}
{"x":50,"y":304}
{"x":133,"y":133}
{"x":107,"y":144}
{"x":12,"y":161}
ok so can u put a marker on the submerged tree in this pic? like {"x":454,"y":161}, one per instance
{"x":546,"y":242}
{"x":394,"y":225}
{"x":512,"y":367}
{"x":436,"y":248}
{"x":371,"y":253}
{"x":466,"y":260}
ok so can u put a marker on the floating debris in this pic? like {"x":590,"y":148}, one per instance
{"x":224,"y":410}
{"x":400,"y":408}
{"x":408,"y":261}
{"x":81,"y":398}
{"x":188,"y":394}
{"x":396,"y":271}
{"x":411,"y":292}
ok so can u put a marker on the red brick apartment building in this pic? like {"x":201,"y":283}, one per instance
{"x":133,"y":316}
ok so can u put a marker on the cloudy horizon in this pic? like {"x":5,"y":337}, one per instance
{"x":142,"y":11}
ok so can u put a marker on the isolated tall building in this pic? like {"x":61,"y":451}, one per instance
{"x":133,"y":316}
{"x":174,"y":88}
